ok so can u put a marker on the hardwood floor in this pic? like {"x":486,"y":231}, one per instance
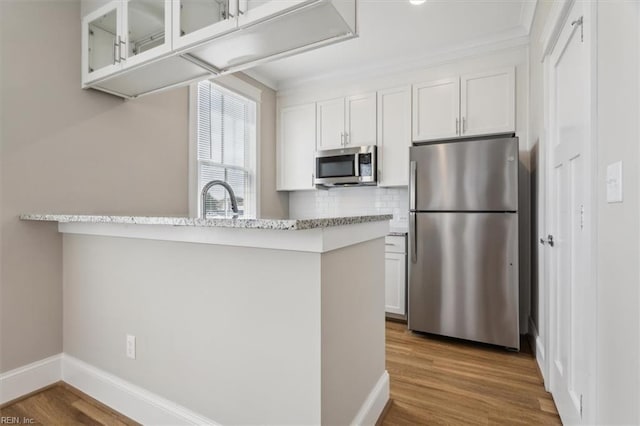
{"x":433,"y":381}
{"x":62,"y":404}
{"x":437,"y":380}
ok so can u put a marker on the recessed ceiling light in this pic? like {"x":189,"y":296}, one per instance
{"x":416,"y":2}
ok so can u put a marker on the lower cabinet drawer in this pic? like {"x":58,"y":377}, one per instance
{"x":395,"y":244}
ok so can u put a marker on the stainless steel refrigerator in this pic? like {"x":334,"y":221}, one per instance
{"x":463,"y":240}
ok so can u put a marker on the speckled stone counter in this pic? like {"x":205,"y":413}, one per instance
{"x":278,"y":224}
{"x":311,"y":235}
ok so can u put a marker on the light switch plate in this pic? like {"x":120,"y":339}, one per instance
{"x":614,"y":182}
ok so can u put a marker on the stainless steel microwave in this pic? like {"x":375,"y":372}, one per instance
{"x":347,"y":167}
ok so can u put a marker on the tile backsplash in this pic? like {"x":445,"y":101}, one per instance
{"x":353,"y":201}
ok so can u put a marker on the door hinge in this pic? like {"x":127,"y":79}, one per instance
{"x":580,"y":22}
{"x":581,"y":216}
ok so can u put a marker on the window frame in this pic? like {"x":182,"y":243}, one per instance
{"x":236,"y":87}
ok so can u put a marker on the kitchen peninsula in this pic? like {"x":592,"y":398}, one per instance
{"x":245,"y":321}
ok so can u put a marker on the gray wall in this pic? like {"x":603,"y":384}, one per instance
{"x":618,"y":225}
{"x":70,"y":150}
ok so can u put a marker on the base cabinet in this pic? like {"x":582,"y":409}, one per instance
{"x":395,"y":277}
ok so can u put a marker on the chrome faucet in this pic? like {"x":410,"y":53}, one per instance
{"x":205,"y":191}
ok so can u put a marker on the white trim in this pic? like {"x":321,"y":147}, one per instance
{"x":318,"y":240}
{"x":130,"y":400}
{"x":476,"y":48}
{"x":538,"y":347}
{"x":527,"y":14}
{"x":29,"y":378}
{"x":553,"y":27}
{"x":238,"y":87}
{"x":373,"y":406}
{"x":194,"y":202}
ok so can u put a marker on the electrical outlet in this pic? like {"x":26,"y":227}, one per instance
{"x":131,"y":346}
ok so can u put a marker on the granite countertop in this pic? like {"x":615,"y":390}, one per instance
{"x":223,"y":222}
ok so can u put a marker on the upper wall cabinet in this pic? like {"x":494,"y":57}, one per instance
{"x":180,"y":41}
{"x":347,"y":121}
{"x":296,"y":147}
{"x":487,"y":102}
{"x":123,"y":34}
{"x":471,"y":105}
{"x":394,"y":136}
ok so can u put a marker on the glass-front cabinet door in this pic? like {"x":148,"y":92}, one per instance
{"x":101,"y":37}
{"x":147,"y":33}
{"x":250,"y":11}
{"x":196,"y":21}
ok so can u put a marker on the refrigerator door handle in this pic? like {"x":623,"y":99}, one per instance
{"x":413,"y":241}
{"x":412,"y":185}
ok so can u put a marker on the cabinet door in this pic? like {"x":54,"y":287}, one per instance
{"x":394,"y":136}
{"x":251,"y":11}
{"x":436,"y":109}
{"x":296,"y":147}
{"x":195,"y":21}
{"x":101,"y":36}
{"x":147,"y":33}
{"x":360,"y":120}
{"x":395,"y":283}
{"x":330,"y":124}
{"x":488,"y":102}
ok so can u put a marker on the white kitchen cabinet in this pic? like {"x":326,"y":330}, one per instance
{"x":395,"y":262}
{"x":487,"y":102}
{"x":123,"y":34}
{"x":330,"y":124}
{"x":394,"y":136}
{"x":436,"y":109}
{"x":296,"y":147}
{"x":196,"y":21}
{"x":349,"y":121}
{"x":471,"y":105}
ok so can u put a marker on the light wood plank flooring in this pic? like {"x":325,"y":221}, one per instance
{"x":433,"y":381}
{"x":62,"y":404}
{"x":436,"y":380}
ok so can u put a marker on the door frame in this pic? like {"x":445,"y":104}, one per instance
{"x":557,"y":19}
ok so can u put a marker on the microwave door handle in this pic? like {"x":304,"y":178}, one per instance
{"x":356,"y":166}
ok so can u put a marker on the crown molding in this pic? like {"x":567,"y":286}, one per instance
{"x":507,"y":40}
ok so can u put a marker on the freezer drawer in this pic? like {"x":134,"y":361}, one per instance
{"x":463,"y":276}
{"x":477,"y":175}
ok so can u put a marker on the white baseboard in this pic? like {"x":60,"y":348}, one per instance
{"x":28,"y":378}
{"x":132,"y":401}
{"x":538,"y":347}
{"x":374,"y":404}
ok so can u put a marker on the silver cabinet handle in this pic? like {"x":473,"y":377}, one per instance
{"x":412,"y":185}
{"x":342,"y":138}
{"x":313,"y":180}
{"x":121,"y":43}
{"x":413,"y":243}
{"x":464,"y":125}
{"x":457,"y":126}
{"x":116,"y":56}
{"x":346,"y":138}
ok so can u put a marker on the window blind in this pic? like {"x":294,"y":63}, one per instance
{"x":225,"y":129}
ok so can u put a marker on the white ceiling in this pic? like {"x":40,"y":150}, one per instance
{"x":393,"y":32}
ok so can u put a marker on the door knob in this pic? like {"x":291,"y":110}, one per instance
{"x":549,"y":240}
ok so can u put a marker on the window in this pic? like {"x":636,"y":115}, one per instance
{"x":226,"y":135}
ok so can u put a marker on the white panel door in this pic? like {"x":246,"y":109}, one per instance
{"x":330,"y":124}
{"x":487,"y":102}
{"x":296,"y":147}
{"x":147,"y":30}
{"x":567,"y":246}
{"x":360,"y":120}
{"x":394,"y":136}
{"x":394,"y":283}
{"x":436,"y":109}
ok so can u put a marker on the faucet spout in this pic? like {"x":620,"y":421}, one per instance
{"x":205,"y":191}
